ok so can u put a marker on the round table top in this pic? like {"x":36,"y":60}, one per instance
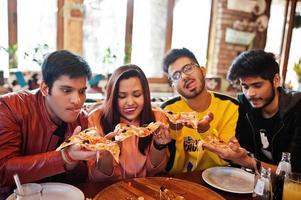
{"x":149,"y":188}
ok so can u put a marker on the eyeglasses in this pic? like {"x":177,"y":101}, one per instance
{"x":186,"y":69}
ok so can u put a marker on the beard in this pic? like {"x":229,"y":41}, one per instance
{"x":194,"y":93}
{"x":267,"y":101}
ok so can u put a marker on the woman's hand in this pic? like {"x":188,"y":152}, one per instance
{"x":161,"y":136}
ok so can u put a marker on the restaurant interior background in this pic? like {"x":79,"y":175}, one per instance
{"x":109,"y":33}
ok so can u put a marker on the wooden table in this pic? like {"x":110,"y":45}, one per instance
{"x":90,"y":189}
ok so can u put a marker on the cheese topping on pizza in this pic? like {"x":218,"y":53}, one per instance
{"x":126,"y":130}
{"x":189,"y":118}
{"x":212,"y":140}
{"x":90,"y":140}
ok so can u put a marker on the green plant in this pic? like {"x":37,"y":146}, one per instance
{"x":38,"y":53}
{"x":12,"y":53}
{"x":109,"y":57}
{"x":297,"y":69}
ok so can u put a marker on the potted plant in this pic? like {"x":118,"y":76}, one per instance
{"x":12,"y":53}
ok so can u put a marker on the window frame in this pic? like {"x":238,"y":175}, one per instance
{"x":13,"y":32}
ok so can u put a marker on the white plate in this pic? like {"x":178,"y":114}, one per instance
{"x":229,"y":179}
{"x":58,"y":191}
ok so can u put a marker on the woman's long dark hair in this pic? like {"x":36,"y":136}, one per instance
{"x":111,"y":116}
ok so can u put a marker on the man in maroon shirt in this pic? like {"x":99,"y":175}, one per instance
{"x":34,"y":123}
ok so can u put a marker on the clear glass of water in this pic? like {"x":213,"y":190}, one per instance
{"x":31,"y":191}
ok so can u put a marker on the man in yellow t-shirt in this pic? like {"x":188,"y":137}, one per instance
{"x":187,"y":77}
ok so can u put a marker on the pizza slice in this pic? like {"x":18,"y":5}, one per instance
{"x":154,"y":126}
{"x":70,"y":141}
{"x":84,"y":136}
{"x":90,"y":140}
{"x":148,"y":129}
{"x":212,"y":140}
{"x":186,"y":118}
{"x":126,"y":130}
{"x":111,"y":147}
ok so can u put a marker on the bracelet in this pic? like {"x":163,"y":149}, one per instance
{"x":67,"y":158}
{"x":258,"y":162}
{"x":159,"y":146}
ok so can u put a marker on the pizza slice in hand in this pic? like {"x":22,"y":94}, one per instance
{"x":90,"y":140}
{"x":213,"y":141}
{"x":78,"y":138}
{"x":185,"y":118}
{"x":124,"y":131}
{"x":190,"y":119}
{"x":227,"y":151}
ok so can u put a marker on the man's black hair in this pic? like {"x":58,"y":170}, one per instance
{"x":64,"y":62}
{"x":174,"y":54}
{"x":253,"y":63}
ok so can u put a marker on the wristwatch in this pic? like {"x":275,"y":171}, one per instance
{"x":159,"y":146}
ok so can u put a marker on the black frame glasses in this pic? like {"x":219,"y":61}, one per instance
{"x":186,"y":69}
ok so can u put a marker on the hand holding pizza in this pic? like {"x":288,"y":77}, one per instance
{"x":231,"y":151}
{"x":76,"y":152}
{"x":83,"y":145}
{"x":123,"y":131}
{"x":162,"y":137}
{"x":189,"y":119}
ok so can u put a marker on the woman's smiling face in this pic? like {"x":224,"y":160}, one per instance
{"x":130,"y":98}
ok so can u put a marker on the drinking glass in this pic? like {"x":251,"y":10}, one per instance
{"x":292,"y":187}
{"x":31,"y":191}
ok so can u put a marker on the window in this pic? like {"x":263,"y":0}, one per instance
{"x":191,"y":27}
{"x":294,"y":54}
{"x":3,"y":37}
{"x":104,"y":32}
{"x":275,"y":27}
{"x":36,"y":27}
{"x":148,"y":42}
{"x":274,"y":38}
